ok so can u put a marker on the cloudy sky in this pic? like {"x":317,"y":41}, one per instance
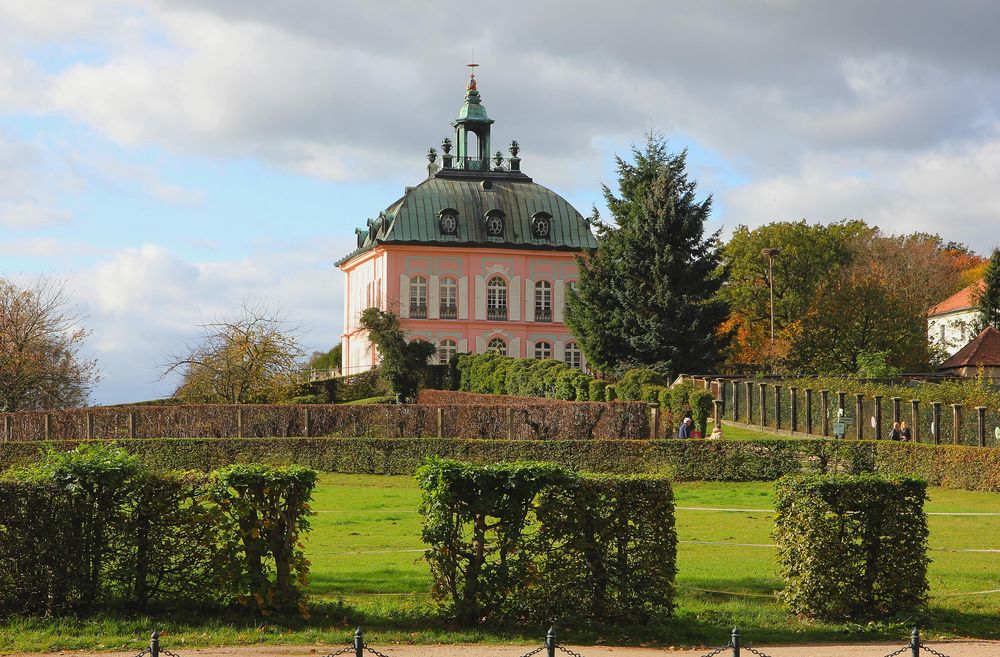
{"x":170,"y":159}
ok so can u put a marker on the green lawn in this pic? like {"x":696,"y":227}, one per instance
{"x":368,"y":569}
{"x":366,"y":547}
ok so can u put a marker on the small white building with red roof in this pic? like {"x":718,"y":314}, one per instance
{"x":951,"y":323}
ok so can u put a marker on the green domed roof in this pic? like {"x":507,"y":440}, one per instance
{"x":415,"y":218}
{"x":470,"y":186}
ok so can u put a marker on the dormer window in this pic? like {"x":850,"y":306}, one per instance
{"x":494,"y":223}
{"x":448,"y":221}
{"x":541,"y":225}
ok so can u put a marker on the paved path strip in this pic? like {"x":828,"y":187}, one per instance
{"x":949,"y":648}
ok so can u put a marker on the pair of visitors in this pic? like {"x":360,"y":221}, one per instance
{"x":684,"y":431}
{"x":904,"y":432}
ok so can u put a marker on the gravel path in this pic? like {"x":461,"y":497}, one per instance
{"x":949,"y":648}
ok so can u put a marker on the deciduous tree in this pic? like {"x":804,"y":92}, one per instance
{"x":810,"y":255}
{"x":853,"y":317}
{"x":250,"y":358}
{"x":41,"y":336}
{"x":647,"y":295}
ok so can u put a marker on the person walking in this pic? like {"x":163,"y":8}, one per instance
{"x":904,"y":432}
{"x":684,"y":431}
{"x":895,"y":434}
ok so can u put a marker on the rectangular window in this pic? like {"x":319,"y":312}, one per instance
{"x":449,"y":299}
{"x":543,"y":301}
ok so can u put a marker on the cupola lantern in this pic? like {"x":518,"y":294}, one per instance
{"x":472,"y":130}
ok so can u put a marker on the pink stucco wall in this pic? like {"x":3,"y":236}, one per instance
{"x":382,"y":277}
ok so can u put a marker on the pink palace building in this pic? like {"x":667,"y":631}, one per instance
{"x":475,"y":258}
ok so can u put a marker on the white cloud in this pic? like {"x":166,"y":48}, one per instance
{"x":949,"y":190}
{"x":24,"y":215}
{"x":47,"y":247}
{"x":147,"y":302}
{"x":812,"y":110}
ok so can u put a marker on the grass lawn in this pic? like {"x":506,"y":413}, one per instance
{"x":368,"y":569}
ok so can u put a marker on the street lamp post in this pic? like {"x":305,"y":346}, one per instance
{"x":770,"y":254}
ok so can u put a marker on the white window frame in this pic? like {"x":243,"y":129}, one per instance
{"x":572,"y":355}
{"x":446,"y":349}
{"x":543,"y":349}
{"x":497,"y":297}
{"x":449,"y":292}
{"x":543,"y":299}
{"x":497,"y":345}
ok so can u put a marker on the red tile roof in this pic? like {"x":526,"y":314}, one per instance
{"x":983,"y":350}
{"x":961,"y":300}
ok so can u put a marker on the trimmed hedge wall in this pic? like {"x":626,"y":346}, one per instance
{"x":767,"y":459}
{"x":95,"y":526}
{"x":852,"y":547}
{"x":537,"y":543}
{"x":950,"y":466}
{"x":539,"y":420}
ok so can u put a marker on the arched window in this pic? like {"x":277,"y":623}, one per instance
{"x":449,"y":298}
{"x":472,"y":150}
{"x":496,"y":299}
{"x":543,"y":301}
{"x":572,"y":355}
{"x":543,"y":349}
{"x":418,"y":297}
{"x":446,"y":350}
{"x":497,"y":346}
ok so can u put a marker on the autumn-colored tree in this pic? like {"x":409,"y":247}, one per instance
{"x":852,"y":318}
{"x":41,"y":336}
{"x":970,"y":264}
{"x":250,"y":358}
{"x":810,"y":255}
{"x":918,"y":267}
{"x":841,"y":291}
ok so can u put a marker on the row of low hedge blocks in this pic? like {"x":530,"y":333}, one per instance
{"x":743,"y":409}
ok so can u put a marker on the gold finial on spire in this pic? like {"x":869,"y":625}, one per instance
{"x":472,"y":73}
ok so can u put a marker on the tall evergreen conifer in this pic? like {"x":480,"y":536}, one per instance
{"x":647,"y":295}
{"x":988,"y":300}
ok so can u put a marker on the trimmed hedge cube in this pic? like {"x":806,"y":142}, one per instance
{"x":852,"y":547}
